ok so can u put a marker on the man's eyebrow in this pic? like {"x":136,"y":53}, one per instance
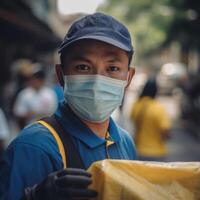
{"x":79,"y":58}
{"x":112,"y":57}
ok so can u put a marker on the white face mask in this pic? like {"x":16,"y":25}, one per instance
{"x":93,"y":97}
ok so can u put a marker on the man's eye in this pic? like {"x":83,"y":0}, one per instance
{"x":113,"y":68}
{"x":82,"y":67}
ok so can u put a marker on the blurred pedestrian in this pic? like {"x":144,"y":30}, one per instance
{"x":4,"y":133}
{"x":21,"y":71}
{"x":94,"y":71}
{"x":36,"y":100}
{"x":152,"y":124}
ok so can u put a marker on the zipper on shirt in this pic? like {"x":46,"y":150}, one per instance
{"x":109,"y":141}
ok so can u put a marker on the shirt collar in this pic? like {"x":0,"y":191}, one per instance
{"x":74,"y":126}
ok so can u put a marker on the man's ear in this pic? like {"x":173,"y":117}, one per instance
{"x":59,"y":74}
{"x":131,"y":73}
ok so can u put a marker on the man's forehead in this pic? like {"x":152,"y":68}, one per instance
{"x":86,"y":43}
{"x":89,"y":47}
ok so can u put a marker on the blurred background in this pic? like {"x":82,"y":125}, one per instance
{"x":166,"y":38}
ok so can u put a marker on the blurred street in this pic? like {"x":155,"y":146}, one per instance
{"x":182,"y":145}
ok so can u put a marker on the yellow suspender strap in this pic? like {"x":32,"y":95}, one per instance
{"x":58,"y":140}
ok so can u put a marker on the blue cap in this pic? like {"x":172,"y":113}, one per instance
{"x":100,"y":27}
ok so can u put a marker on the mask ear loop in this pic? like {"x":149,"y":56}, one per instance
{"x":65,"y":87}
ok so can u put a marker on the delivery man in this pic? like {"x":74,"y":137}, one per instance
{"x":44,"y":161}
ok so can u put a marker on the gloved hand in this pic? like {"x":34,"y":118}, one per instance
{"x":66,"y":184}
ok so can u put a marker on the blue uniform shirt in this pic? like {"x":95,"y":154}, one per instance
{"x":34,"y":153}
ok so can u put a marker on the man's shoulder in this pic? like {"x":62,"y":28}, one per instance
{"x":123,"y":133}
{"x":126,"y":140}
{"x":37,"y":136}
{"x":26,"y":93}
{"x":157,"y":108}
{"x":48,"y":93}
{"x":47,"y":90}
{"x":118,"y":131}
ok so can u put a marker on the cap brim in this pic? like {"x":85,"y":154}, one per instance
{"x":100,"y":38}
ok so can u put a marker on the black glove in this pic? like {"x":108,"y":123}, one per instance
{"x":67,"y":184}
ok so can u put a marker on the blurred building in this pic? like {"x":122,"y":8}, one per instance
{"x":25,"y":33}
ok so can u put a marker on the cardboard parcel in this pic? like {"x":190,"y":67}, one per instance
{"x":138,"y":180}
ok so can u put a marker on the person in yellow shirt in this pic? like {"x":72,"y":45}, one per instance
{"x":152,"y":124}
